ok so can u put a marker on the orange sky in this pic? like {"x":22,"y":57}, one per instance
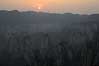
{"x":59,"y":6}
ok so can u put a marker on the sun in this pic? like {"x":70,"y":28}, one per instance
{"x":39,"y":8}
{"x":39,"y":5}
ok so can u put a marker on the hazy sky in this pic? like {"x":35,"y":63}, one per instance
{"x":60,"y":6}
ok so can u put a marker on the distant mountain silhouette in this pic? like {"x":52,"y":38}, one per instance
{"x":50,"y":20}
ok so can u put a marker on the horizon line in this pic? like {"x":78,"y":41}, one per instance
{"x":47,"y":12}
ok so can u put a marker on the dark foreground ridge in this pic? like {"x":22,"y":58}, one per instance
{"x":51,"y":49}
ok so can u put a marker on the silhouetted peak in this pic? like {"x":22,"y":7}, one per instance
{"x":14,"y":11}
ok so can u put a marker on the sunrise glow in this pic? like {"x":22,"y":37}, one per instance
{"x":59,"y":6}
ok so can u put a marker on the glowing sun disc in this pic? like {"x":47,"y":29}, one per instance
{"x":39,"y":8}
